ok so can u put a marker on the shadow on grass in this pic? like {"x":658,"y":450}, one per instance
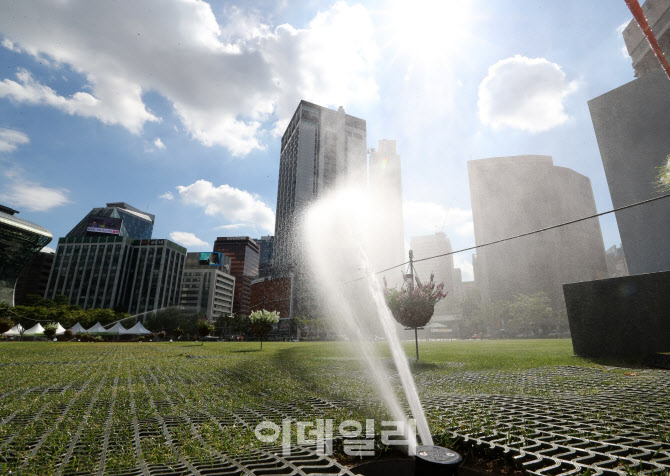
{"x":245,"y":350}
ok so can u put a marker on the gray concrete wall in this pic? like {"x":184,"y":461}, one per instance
{"x":632,"y":125}
{"x":620,"y":317}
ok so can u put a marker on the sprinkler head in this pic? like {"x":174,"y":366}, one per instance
{"x":435,"y":461}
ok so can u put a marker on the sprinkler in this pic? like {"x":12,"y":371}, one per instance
{"x":435,"y":461}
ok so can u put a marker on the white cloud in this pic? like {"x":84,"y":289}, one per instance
{"x":188,"y":239}
{"x":48,"y":249}
{"x":158,"y":143}
{"x":167,"y":196}
{"x":619,"y":32}
{"x":11,"y":139}
{"x":34,"y":197}
{"x":524,"y":93}
{"x":429,"y":217}
{"x":465,"y":263}
{"x":232,"y":226}
{"x":228,"y":84}
{"x":230,"y":203}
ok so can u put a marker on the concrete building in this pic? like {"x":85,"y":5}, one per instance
{"x":631,"y":124}
{"x":515,"y":195}
{"x":108,"y":260}
{"x":386,"y":190}
{"x":34,"y":277}
{"x":443,"y":268}
{"x":20,"y":241}
{"x":244,"y":254}
{"x":273,"y":294}
{"x":207,"y":287}
{"x":320,"y":149}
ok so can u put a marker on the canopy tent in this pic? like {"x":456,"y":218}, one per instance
{"x":138,"y":329}
{"x":14,"y":331}
{"x":117,"y":329}
{"x":96,"y":329}
{"x":60,"y":330}
{"x":37,"y":329}
{"x":77,"y":328}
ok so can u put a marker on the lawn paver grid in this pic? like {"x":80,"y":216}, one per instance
{"x":152,"y":409}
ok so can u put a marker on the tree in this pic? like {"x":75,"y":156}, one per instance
{"x":413,"y":305}
{"x":50,"y":330}
{"x":177,"y":332}
{"x":262,"y":322}
{"x":531,"y":313}
{"x":204,"y":327}
{"x":5,"y":324}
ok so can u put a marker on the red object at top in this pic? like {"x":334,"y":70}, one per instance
{"x":638,"y":14}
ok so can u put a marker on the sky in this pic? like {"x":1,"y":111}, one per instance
{"x":177,"y":107}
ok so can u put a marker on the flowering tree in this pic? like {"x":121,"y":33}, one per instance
{"x":262,"y":322}
{"x":413,"y":306}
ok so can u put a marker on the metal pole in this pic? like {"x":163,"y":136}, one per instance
{"x":416,"y":342}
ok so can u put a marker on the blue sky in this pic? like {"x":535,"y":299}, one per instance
{"x":177,"y":106}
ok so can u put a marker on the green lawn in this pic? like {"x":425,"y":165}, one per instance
{"x":111,"y":408}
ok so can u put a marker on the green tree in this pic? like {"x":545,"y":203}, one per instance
{"x":531,"y":313}
{"x":262,"y":323}
{"x":50,"y":330}
{"x":205,"y":327}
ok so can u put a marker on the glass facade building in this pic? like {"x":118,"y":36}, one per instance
{"x":117,"y":272}
{"x":125,"y":221}
{"x":20,"y":240}
{"x":266,"y":255}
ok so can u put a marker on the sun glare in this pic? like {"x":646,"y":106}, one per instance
{"x":427,"y":31}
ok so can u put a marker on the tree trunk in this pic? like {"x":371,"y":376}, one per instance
{"x":416,"y":342}
{"x":261,"y":343}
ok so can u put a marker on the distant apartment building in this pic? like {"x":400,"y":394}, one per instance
{"x":245,"y":256}
{"x":34,"y":277}
{"x":20,"y":241}
{"x":386,"y":191}
{"x":266,"y":255}
{"x":515,"y":195}
{"x":207,"y":286}
{"x":108,"y":260}
{"x":631,"y":124}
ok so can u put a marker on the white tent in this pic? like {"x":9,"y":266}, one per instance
{"x":60,"y":330}
{"x":77,"y":328}
{"x":138,"y":329}
{"x":117,"y":329}
{"x":14,"y":331}
{"x":96,"y":329}
{"x":37,"y":329}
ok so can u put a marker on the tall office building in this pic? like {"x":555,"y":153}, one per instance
{"x":320,"y":149}
{"x":442,"y":268}
{"x":515,"y":195}
{"x":117,"y":272}
{"x":110,"y":261}
{"x":244,"y":255}
{"x":207,"y":286}
{"x":266,"y":255}
{"x":631,"y":124}
{"x":20,"y":241}
{"x":386,"y":191}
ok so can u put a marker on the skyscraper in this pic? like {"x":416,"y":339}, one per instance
{"x":631,"y":124}
{"x":108,"y":260}
{"x":266,"y":255}
{"x":515,"y":195}
{"x":386,"y":191}
{"x":320,"y":149}
{"x":20,"y":240}
{"x":244,"y":255}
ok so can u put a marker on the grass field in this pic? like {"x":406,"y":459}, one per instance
{"x":152,"y":408}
